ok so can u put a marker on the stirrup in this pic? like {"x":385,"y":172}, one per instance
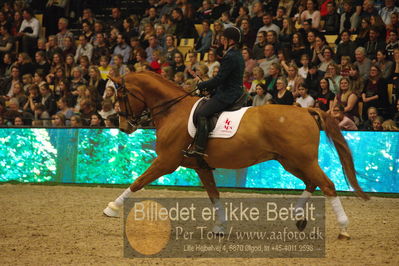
{"x":193,"y":154}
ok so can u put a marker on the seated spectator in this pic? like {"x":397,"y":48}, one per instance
{"x":9,"y":83}
{"x":204,"y":12}
{"x":107,"y":109}
{"x":344,"y":67}
{"x":326,"y":58}
{"x":8,"y":63}
{"x":56,"y":62}
{"x":155,"y":64}
{"x":343,"y":121}
{"x":178,"y":64}
{"x":346,"y":47}
{"x":109,"y":94}
{"x":271,"y":79}
{"x":18,"y":121}
{"x":349,"y":18}
{"x":211,"y":63}
{"x":304,"y":99}
{"x":268,"y":60}
{"x":69,"y":65}
{"x":29,"y":32}
{"x":111,"y":121}
{"x":324,"y":97}
{"x":392,"y":44}
{"x":95,"y":80}
{"x":191,"y":66}
{"x":294,"y":80}
{"x":100,"y":49}
{"x":261,"y":96}
{"x":249,"y":62}
{"x":332,"y":74}
{"x":18,"y":94}
{"x":348,"y":99}
{"x":268,"y":24}
{"x":259,"y":47}
{"x":25,"y":64}
{"x":58,"y":120}
{"x":170,"y":48}
{"x":27,"y":81}
{"x":167,"y":72}
{"x":116,"y":19}
{"x":312,"y":13}
{"x":248,"y":34}
{"x":313,"y":79}
{"x":42,"y":115}
{"x":363,"y":32}
{"x":389,"y":125}
{"x":304,"y":69}
{"x":69,"y":47}
{"x":320,"y":44}
{"x":87,"y":31}
{"x":65,"y":106}
{"x":372,"y":113}
{"x":388,"y":10}
{"x":375,"y":92}
{"x":96,"y":120}
{"x":77,"y":79}
{"x":286,"y":33}
{"x":201,"y":73}
{"x":377,"y":123}
{"x":34,"y":98}
{"x":205,"y":40}
{"x":104,"y":67}
{"x":179,"y":78}
{"x":384,"y":65}
{"x":6,"y":40}
{"x":225,"y":19}
{"x":331,"y":20}
{"x":217,"y":34}
{"x":120,"y":66}
{"x":83,"y":64}
{"x":52,"y":47}
{"x":362,"y":62}
{"x":87,"y":109}
{"x":259,"y":78}
{"x":63,"y":33}
{"x":47,"y":98}
{"x":184,"y":27}
{"x":374,"y":43}
{"x":76,"y":121}
{"x":282,"y":95}
{"x":16,"y":22}
{"x":84,"y":48}
{"x":297,"y":48}
{"x":41,"y":62}
{"x":122,"y":48}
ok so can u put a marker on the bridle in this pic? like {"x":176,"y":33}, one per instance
{"x":139,"y":120}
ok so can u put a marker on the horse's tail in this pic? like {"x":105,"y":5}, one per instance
{"x":334,"y":134}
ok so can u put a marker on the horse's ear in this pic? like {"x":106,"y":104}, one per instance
{"x":116,"y":80}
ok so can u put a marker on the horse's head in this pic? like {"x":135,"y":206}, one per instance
{"x":131,"y":104}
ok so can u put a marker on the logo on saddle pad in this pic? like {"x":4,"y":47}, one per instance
{"x":226,"y":126}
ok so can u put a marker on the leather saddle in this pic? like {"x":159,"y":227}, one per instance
{"x":238,"y":104}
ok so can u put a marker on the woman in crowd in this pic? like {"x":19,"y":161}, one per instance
{"x":324,"y":98}
{"x":375,"y":91}
{"x":348,"y":99}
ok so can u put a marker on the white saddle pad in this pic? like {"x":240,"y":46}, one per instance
{"x":226,"y":125}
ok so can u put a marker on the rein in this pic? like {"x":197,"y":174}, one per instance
{"x":145,"y":116}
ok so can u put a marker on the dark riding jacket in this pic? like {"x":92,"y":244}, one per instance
{"x":229,"y":80}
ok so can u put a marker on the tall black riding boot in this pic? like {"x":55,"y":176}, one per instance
{"x":200,"y":139}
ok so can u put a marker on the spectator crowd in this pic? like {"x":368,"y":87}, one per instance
{"x":341,"y":56}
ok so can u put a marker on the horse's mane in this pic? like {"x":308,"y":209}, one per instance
{"x":161,"y":79}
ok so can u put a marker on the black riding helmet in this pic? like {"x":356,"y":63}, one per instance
{"x":233,"y":33}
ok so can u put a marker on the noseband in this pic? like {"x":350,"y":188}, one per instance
{"x":147,"y":115}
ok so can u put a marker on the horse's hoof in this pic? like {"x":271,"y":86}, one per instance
{"x":301,"y":224}
{"x":111,"y":210}
{"x":344,"y":236}
{"x":218,"y":229}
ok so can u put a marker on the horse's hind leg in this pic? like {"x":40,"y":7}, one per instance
{"x":208,"y":181}
{"x":157,"y":169}
{"x":312,"y":174}
{"x":301,"y":202}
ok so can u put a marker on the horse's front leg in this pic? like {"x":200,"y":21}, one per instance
{"x":208,"y":181}
{"x":157,"y":169}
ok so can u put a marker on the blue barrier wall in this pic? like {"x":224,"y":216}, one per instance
{"x":110,"y":156}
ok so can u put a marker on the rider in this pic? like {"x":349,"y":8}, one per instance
{"x":227,"y":85}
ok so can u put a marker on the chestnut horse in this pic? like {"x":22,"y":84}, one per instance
{"x":288,"y":134}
